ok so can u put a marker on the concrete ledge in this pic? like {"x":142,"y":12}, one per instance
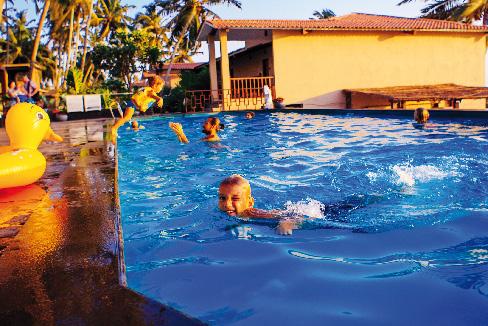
{"x":434,"y":113}
{"x":60,"y":256}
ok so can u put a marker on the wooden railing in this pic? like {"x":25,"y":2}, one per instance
{"x":245,"y":94}
{"x":206,"y":100}
{"x":250,"y":87}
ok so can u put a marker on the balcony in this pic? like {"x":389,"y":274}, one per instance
{"x":245,"y":94}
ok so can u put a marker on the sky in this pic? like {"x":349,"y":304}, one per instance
{"x":283,"y":9}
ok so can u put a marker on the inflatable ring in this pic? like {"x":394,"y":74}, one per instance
{"x":21,"y":164}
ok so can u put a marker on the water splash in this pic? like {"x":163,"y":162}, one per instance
{"x":408,"y":175}
{"x":309,"y":207}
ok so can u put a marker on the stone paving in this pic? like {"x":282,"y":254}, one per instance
{"x":61,"y":257}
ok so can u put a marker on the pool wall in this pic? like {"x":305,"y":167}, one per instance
{"x":434,"y":113}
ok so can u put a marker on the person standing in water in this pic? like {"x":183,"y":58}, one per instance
{"x":421,"y":115}
{"x":210,"y":128}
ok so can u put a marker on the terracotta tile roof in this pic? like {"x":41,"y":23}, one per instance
{"x":355,"y":21}
{"x":182,"y":66}
{"x":176,"y":68}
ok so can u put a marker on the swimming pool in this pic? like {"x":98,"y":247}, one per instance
{"x":395,"y":233}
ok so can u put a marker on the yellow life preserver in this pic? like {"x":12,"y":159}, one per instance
{"x":21,"y":164}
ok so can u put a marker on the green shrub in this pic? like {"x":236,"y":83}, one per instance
{"x":190,"y":80}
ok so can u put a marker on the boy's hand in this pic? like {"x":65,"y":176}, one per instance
{"x":160,"y":102}
{"x":176,"y":127}
{"x":285,"y":227}
{"x":178,"y":130}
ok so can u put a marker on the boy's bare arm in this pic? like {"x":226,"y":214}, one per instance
{"x":259,"y":213}
{"x":159,"y":100}
{"x":285,"y":225}
{"x":178,"y":130}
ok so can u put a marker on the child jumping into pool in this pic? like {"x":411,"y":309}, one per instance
{"x":210,"y":128}
{"x":141,"y":101}
{"x":235,"y":199}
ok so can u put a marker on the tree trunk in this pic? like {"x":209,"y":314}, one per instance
{"x":37,"y":40}
{"x":70,"y":37}
{"x":57,"y":82}
{"x":87,"y":33}
{"x":177,"y":46}
{"x":2,"y":2}
{"x":77,"y":38}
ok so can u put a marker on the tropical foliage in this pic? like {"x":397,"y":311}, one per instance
{"x":89,"y":45}
{"x":323,"y":14}
{"x":457,"y":10}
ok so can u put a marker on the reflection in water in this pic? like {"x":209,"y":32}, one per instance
{"x":45,"y":230}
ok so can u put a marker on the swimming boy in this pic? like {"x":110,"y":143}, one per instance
{"x":250,"y":115}
{"x":235,"y":199}
{"x":141,"y":101}
{"x":136,"y":126}
{"x":421,"y":115}
{"x":210,"y":128}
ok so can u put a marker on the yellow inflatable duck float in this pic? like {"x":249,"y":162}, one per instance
{"x":21,"y":164}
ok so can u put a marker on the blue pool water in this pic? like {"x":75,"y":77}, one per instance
{"x":396,"y":227}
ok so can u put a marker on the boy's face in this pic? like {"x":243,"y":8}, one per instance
{"x":235,"y":199}
{"x":208,"y":127}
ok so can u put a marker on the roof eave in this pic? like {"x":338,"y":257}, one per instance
{"x":403,"y":30}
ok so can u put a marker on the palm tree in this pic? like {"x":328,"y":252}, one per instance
{"x":153,"y":24}
{"x":476,"y":10}
{"x":87,"y":33}
{"x":37,"y":40}
{"x":187,"y":17}
{"x":16,"y":47}
{"x":324,"y":14}
{"x":440,"y":9}
{"x":184,"y":54}
{"x":457,"y":10}
{"x":111,"y":15}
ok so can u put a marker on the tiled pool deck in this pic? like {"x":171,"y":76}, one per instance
{"x":59,"y":241}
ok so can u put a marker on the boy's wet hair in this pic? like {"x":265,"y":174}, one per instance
{"x":154,"y":80}
{"x":421,"y":115}
{"x":214,"y":121}
{"x":236,"y":180}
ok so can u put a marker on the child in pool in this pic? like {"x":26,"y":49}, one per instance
{"x":210,"y":128}
{"x":421,"y":115}
{"x":236,"y":200}
{"x":136,"y":126}
{"x":141,"y":101}
{"x":250,"y":115}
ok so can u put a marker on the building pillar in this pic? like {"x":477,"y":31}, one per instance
{"x":224,"y":69}
{"x":212,"y":67}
